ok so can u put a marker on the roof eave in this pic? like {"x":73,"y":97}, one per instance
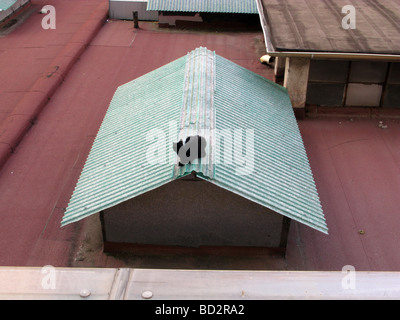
{"x":266,"y":27}
{"x":335,"y":55}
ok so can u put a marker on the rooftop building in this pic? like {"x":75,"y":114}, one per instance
{"x":55,"y":90}
{"x":332,"y":54}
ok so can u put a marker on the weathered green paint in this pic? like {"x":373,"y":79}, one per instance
{"x":199,"y":93}
{"x":5,"y":4}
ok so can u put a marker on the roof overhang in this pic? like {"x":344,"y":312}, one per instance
{"x":215,"y":6}
{"x":335,"y":55}
{"x":254,"y":145}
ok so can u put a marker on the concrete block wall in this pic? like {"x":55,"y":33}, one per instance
{"x":391,"y":98}
{"x":193,"y":213}
{"x":327,"y":82}
{"x":123,"y":10}
{"x":334,"y":83}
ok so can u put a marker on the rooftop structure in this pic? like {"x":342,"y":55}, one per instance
{"x":215,"y":6}
{"x":355,"y":164}
{"x":313,"y":26}
{"x":335,"y":54}
{"x":207,"y":95}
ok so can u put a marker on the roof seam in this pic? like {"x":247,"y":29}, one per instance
{"x":198,"y":112}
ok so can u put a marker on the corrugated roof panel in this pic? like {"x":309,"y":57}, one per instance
{"x":198,"y":114}
{"x":282,"y":179}
{"x":217,"y":6}
{"x":117,"y":168}
{"x":5,"y":4}
{"x":254,"y":148}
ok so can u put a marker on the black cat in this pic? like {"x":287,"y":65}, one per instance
{"x":193,"y":148}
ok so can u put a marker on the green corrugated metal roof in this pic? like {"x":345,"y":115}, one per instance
{"x":201,"y":93}
{"x":282,"y":178}
{"x":116,"y":169}
{"x":218,"y":6}
{"x":5,"y":4}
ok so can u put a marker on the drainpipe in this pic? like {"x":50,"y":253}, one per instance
{"x":135,"y":19}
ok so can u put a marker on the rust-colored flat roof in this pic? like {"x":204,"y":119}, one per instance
{"x":355,"y":163}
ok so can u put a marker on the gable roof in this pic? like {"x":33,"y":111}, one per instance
{"x":216,"y":6}
{"x":201,"y":93}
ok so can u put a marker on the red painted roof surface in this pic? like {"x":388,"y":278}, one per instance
{"x":355,"y":163}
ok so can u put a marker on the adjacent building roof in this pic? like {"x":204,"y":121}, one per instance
{"x":217,"y":6}
{"x":240,"y":114}
{"x":8,"y":7}
{"x":5,"y":4}
{"x":316,"y":26}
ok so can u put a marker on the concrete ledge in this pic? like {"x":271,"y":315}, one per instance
{"x":30,"y":101}
{"x":314,"y":112}
{"x":13,"y":129}
{"x":383,"y":113}
{"x":20,"y":120}
{"x":156,"y":250}
{"x":48,"y":282}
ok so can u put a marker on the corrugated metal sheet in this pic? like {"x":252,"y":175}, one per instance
{"x":5,"y":4}
{"x":201,"y":93}
{"x":282,"y":178}
{"x":198,"y":112}
{"x":220,"y":6}
{"x":117,"y":168}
